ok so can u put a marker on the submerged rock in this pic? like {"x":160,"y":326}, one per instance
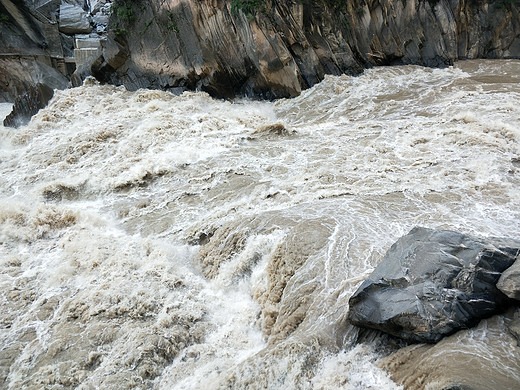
{"x":431,"y":283}
{"x":482,"y":358}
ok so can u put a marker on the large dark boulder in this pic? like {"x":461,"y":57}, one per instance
{"x":28,"y":104}
{"x":432,"y":283}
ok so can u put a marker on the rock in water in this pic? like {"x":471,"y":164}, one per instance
{"x":509,"y":282}
{"x":433,"y":282}
{"x":27,"y":105}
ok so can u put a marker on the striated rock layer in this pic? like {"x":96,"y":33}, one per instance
{"x":31,"y":52}
{"x":432,"y":283}
{"x":278,"y":48}
{"x":25,"y":106}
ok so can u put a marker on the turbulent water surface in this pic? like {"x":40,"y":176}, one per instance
{"x":179,"y":242}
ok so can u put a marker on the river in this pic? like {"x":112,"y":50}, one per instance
{"x":154,"y":241}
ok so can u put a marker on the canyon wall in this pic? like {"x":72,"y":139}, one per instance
{"x":275,"y":49}
{"x":261,"y":48}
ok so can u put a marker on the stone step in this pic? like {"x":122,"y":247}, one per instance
{"x":87,"y":43}
{"x":82,"y":56}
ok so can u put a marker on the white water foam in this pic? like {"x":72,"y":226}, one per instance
{"x":179,"y":242}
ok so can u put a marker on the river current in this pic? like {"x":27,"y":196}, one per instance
{"x":154,"y":241}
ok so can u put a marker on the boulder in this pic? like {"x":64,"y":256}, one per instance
{"x":28,"y":104}
{"x":73,"y":20}
{"x":432,"y":283}
{"x":509,"y":282}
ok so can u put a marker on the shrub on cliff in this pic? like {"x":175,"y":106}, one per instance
{"x":123,"y":10}
{"x":248,"y":7}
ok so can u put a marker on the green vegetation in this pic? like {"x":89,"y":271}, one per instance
{"x":252,"y":7}
{"x":336,"y":4}
{"x":123,"y":10}
{"x":122,"y":15}
{"x":4,"y":18}
{"x":172,"y":24}
{"x":148,"y":24}
{"x":248,"y":7}
{"x":120,"y":32}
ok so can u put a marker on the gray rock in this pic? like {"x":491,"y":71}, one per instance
{"x":431,"y":283}
{"x":18,"y":75}
{"x":509,"y":282}
{"x":290,"y":45}
{"x":96,"y":6}
{"x":28,"y":104}
{"x":100,"y":19}
{"x":73,"y":20}
{"x":283,"y":48}
{"x":48,"y":8}
{"x":512,"y":322}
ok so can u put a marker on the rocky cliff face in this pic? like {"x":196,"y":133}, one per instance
{"x":274,"y":49}
{"x":26,"y":57}
{"x":39,"y":40}
{"x":264,"y":48}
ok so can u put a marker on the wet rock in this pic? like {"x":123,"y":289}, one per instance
{"x":482,"y":358}
{"x":277,"y":129}
{"x":432,"y":283}
{"x":509,"y":282}
{"x":17,"y":75}
{"x":513,"y":324}
{"x":29,"y":104}
{"x":73,"y":20}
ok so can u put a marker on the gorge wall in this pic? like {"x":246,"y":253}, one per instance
{"x":28,"y":55}
{"x":39,"y":42}
{"x":272,"y":49}
{"x":262,"y":48}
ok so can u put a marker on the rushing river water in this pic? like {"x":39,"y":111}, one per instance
{"x":179,"y":242}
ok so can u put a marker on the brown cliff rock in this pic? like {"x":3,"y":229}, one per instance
{"x":286,"y":46}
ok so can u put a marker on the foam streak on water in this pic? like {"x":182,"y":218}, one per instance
{"x":178,"y":242}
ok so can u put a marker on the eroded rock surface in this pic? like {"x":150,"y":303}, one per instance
{"x":509,"y":282}
{"x":273,"y":49}
{"x":431,"y":283}
{"x":283,"y":47}
{"x":28,"y":104}
{"x":73,"y":19}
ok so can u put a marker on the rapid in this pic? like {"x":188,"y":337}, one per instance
{"x":155,"y":241}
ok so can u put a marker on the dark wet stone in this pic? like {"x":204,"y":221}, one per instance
{"x":28,"y":104}
{"x":432,"y":283}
